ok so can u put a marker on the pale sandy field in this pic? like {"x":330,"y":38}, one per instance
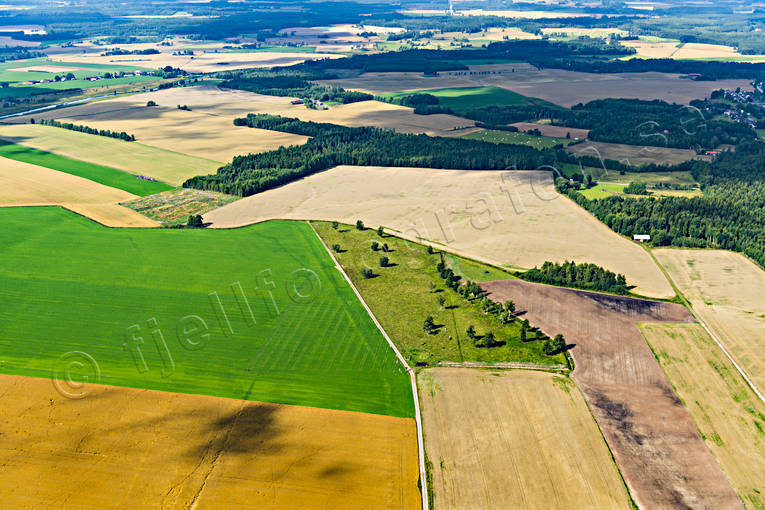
{"x":514,"y":439}
{"x":726,"y":292}
{"x":565,"y":88}
{"x":22,"y":184}
{"x":725,"y":409}
{"x":204,"y":60}
{"x":688,"y":50}
{"x":133,"y":157}
{"x":510,"y":218}
{"x":634,"y":155}
{"x":125,"y":448}
{"x":207,"y":131}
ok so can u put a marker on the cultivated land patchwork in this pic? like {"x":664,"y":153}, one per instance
{"x":256,"y":314}
{"x":651,"y":434}
{"x":511,"y":218}
{"x":730,"y":417}
{"x":514,"y":439}
{"x":133,"y":157}
{"x":726,"y":292}
{"x":127,"y":448}
{"x":22,"y":184}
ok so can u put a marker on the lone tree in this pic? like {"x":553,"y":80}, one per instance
{"x":380,"y":231}
{"x":523,"y":334}
{"x":509,"y":307}
{"x":471,"y":332}
{"x":431,"y":251}
{"x":429,"y":326}
{"x":195,"y":221}
{"x":151,"y":103}
{"x":441,"y":301}
{"x":336,"y":247}
{"x":489,"y":339}
{"x":375,"y":246}
{"x":335,"y":225}
{"x":384,"y":261}
{"x":385,"y":247}
{"x":367,"y":273}
{"x":359,"y":225}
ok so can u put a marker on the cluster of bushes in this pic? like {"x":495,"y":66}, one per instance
{"x":121,"y":135}
{"x":580,"y":276}
{"x":118,"y":51}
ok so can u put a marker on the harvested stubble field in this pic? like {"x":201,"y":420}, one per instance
{"x":22,"y":184}
{"x":127,"y":448}
{"x":258,"y":314}
{"x":730,"y":417}
{"x":694,"y":51}
{"x":207,"y":131}
{"x":514,"y":439}
{"x":134,"y":157}
{"x":726,"y":292}
{"x":558,"y":86}
{"x":177,"y":205}
{"x":498,"y":136}
{"x":651,"y":434}
{"x":635,"y":155}
{"x":508,"y":218}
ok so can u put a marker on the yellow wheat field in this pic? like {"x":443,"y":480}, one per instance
{"x":726,"y":292}
{"x":728,"y":414}
{"x":516,"y":439}
{"x":124,"y":448}
{"x":512,"y":218}
{"x":22,"y":184}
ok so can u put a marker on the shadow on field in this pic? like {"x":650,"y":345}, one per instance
{"x":250,"y":430}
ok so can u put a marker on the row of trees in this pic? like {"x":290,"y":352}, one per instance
{"x":581,"y":276}
{"x":333,"y":145}
{"x":120,"y":135}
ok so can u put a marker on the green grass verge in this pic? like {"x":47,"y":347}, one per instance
{"x":79,"y":287}
{"x":97,"y":173}
{"x":508,"y":137}
{"x":401,"y":299}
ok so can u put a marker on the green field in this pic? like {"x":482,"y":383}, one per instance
{"x":465,"y":98}
{"x":298,"y":336}
{"x":509,"y":137}
{"x":16,"y":79}
{"x":603,"y":190}
{"x":101,"y":174}
{"x":400,"y":296}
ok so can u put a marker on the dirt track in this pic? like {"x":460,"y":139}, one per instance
{"x":653,"y":438}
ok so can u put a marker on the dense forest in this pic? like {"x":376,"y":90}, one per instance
{"x":331,"y":145}
{"x":580,"y":276}
{"x":729,"y":215}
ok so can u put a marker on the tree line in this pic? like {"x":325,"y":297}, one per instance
{"x":331,"y":145}
{"x":580,"y":276}
{"x":120,"y":135}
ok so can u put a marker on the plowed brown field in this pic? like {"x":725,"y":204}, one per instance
{"x":651,"y":434}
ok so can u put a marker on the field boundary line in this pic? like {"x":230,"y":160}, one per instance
{"x":410,"y":371}
{"x":709,"y":331}
{"x":501,"y":365}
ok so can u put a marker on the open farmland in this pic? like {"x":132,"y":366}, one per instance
{"x":207,"y":131}
{"x":134,"y":157}
{"x":497,"y":136}
{"x":96,"y":173}
{"x":257,"y":313}
{"x":127,"y":448}
{"x":545,"y":84}
{"x":635,"y":155}
{"x":726,"y":292}
{"x":465,"y":98}
{"x":508,"y":218}
{"x":175,"y":206}
{"x":481,"y":428}
{"x":730,"y":417}
{"x":553,"y":131}
{"x":22,"y":184}
{"x":653,"y":439}
{"x":407,"y":290}
{"x":689,"y":51}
